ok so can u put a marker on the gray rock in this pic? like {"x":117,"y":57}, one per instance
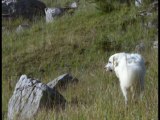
{"x":22,"y":27}
{"x":28,"y":9}
{"x":52,"y":13}
{"x":140,"y":47}
{"x":3,"y":28}
{"x":62,"y":81}
{"x":30,"y":96}
{"x":74,"y":4}
{"x":155,"y":44}
{"x":154,"y":5}
{"x":138,"y":3}
{"x":152,"y":24}
{"x":146,"y":14}
{"x":8,"y":1}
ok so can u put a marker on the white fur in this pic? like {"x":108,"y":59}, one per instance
{"x":130,"y":70}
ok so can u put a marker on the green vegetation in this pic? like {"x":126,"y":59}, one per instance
{"x":81,"y":44}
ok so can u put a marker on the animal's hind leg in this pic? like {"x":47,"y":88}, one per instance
{"x":141,"y":88}
{"x":134,"y":94}
{"x":136,"y":91}
{"x":124,"y":91}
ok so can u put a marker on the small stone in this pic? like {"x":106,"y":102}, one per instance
{"x":22,"y":27}
{"x":155,"y":44}
{"x":140,"y":47}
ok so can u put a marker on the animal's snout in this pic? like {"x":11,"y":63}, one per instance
{"x":107,"y":68}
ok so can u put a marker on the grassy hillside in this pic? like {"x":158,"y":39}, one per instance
{"x":81,"y":45}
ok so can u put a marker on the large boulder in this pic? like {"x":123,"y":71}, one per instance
{"x":8,"y":7}
{"x":30,"y":96}
{"x":138,"y":3}
{"x":62,"y":81}
{"x":30,"y":8}
{"x":23,"y":8}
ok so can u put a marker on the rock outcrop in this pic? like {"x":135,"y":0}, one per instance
{"x":62,"y":81}
{"x":28,"y":9}
{"x":30,"y":96}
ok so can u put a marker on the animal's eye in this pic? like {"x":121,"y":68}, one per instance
{"x":109,"y":61}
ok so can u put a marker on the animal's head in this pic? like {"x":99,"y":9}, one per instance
{"x":112,"y":62}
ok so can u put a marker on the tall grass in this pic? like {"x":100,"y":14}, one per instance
{"x":81,"y":44}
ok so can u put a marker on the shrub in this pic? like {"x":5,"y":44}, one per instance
{"x":107,"y":5}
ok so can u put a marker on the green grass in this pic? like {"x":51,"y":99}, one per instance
{"x":81,"y":44}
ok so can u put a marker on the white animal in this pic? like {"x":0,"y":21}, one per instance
{"x":130,"y":70}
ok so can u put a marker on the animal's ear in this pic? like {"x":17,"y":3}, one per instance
{"x":115,"y":61}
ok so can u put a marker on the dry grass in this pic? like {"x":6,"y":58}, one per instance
{"x":81,"y":44}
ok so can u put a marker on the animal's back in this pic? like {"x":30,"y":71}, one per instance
{"x":132,"y":70}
